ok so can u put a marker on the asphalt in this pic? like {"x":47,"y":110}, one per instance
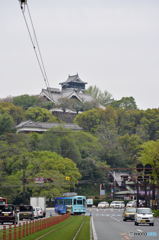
{"x":109,"y":225}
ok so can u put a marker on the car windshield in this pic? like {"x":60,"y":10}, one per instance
{"x":130,"y":210}
{"x":38,"y":208}
{"x":144,"y":210}
{"x":25,"y":208}
{"x":7,"y":209}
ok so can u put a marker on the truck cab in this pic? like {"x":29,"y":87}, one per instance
{"x":8,"y":213}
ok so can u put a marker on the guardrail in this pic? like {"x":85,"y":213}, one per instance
{"x":16,"y":232}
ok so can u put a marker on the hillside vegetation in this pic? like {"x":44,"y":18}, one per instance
{"x":118,"y":136}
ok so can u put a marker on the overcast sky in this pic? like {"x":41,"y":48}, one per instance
{"x":113,"y":44}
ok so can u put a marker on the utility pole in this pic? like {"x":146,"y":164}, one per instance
{"x":137,"y":193}
{"x":24,"y":165}
{"x":24,"y":185}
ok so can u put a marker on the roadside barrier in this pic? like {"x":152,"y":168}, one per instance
{"x":16,"y":232}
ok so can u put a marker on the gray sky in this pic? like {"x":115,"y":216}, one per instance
{"x":113,"y":44}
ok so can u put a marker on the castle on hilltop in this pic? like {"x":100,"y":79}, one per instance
{"x":72,"y":88}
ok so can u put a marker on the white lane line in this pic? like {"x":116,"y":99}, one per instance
{"x":93,"y":229}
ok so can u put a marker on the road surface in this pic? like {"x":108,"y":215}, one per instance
{"x":108,"y":225}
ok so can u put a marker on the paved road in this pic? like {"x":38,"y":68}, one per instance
{"x":109,"y":225}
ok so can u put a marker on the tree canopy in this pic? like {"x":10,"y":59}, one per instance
{"x":103,"y":98}
{"x":119,"y":135}
{"x":149,"y":154}
{"x":40,"y":115}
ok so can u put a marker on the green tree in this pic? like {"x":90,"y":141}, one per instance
{"x":130,"y":146}
{"x":89,"y":120}
{"x":25,"y":101}
{"x":88,"y":145}
{"x":90,"y":105}
{"x":61,"y":141}
{"x":152,"y":123}
{"x":104,"y":98}
{"x":127,"y":103}
{"x":6,"y":123}
{"x":40,"y":115}
{"x":112,"y":153}
{"x":149,"y":154}
{"x":69,"y":149}
{"x":92,"y":119}
{"x":22,"y":168}
{"x":128,"y":121}
{"x":17,"y":113}
{"x":76,"y":105}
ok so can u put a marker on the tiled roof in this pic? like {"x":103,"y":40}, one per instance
{"x":30,"y":126}
{"x":67,"y":93}
{"x":73,"y":78}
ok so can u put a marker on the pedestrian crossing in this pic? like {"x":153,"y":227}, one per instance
{"x":105,"y":212}
{"x":106,"y":215}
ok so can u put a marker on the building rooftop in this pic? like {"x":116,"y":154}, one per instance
{"x":73,"y":78}
{"x":31,"y":126}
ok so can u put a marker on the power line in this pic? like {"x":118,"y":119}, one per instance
{"x":23,"y":4}
{"x":44,"y":70}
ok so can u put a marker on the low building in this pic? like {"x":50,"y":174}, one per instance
{"x":122,"y":185}
{"x":40,"y":127}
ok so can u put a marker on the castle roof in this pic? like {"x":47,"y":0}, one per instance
{"x":66,"y":93}
{"x":73,"y":87}
{"x":73,"y":79}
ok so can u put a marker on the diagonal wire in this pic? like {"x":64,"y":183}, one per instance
{"x":41,"y":58}
{"x":37,"y":53}
{"x":34,"y":47}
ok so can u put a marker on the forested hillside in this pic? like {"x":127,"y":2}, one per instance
{"x":118,"y":136}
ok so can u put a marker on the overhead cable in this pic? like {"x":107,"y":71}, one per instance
{"x":35,"y":43}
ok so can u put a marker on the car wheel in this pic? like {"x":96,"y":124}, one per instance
{"x":136,"y":224}
{"x":151,"y":224}
{"x":124,"y":219}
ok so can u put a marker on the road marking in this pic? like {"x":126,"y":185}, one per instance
{"x":139,"y":230}
{"x":93,"y":229}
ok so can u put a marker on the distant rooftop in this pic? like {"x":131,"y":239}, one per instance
{"x":73,"y":82}
{"x":31,"y":126}
{"x":73,"y":78}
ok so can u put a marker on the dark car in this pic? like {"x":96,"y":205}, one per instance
{"x":8,"y":214}
{"x":26,"y":212}
{"x":129,"y":213}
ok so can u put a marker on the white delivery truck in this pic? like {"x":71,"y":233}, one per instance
{"x":39,"y":202}
{"x":89,"y":202}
